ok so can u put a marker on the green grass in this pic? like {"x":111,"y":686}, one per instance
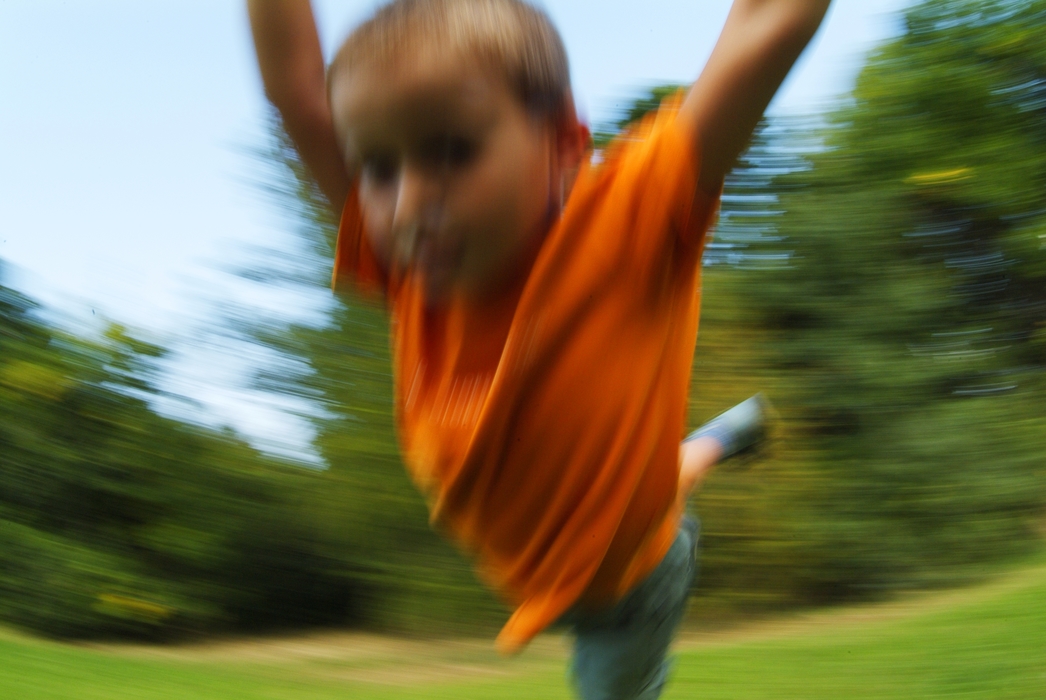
{"x":985,"y":642}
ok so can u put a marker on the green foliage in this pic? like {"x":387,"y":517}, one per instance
{"x":115,"y":520}
{"x":901,"y":326}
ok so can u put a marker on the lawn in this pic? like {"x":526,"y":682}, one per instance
{"x":986,"y":642}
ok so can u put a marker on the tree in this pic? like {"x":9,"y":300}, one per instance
{"x":906,"y":325}
{"x":118,"y":521}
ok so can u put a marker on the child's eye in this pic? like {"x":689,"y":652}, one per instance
{"x":458,"y":152}
{"x":450,"y":151}
{"x":381,"y":170}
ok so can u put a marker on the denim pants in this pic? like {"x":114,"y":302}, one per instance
{"x":621,"y":653}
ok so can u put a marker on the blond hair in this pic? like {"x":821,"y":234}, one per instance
{"x":511,"y":36}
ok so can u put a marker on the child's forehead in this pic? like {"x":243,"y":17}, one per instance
{"x":513,"y":40}
{"x":425,"y":84}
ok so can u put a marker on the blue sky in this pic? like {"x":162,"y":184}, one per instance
{"x":124,"y":125}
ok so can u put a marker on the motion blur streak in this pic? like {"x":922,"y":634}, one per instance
{"x":879,"y":272}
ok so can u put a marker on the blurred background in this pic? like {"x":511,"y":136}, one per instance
{"x":196,"y":437}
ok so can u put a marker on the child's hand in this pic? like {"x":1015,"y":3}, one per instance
{"x":760,"y":42}
{"x":696,"y":459}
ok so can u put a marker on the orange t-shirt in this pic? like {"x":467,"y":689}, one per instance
{"x":544,"y":426}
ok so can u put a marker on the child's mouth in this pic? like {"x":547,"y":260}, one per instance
{"x":438,"y":264}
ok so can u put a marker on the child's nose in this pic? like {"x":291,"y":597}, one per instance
{"x":415,"y":200}
{"x":417,"y":213}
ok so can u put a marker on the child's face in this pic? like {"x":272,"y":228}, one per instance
{"x":455,"y":176}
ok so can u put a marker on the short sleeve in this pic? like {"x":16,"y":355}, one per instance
{"x":355,"y":266}
{"x":658,"y":162}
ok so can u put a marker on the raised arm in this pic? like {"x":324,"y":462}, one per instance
{"x":292,"y":71}
{"x":760,"y":42}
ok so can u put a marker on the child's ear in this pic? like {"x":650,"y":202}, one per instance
{"x":580,"y":142}
{"x":573,"y":138}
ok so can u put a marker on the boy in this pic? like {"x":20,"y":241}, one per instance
{"x":544,"y":302}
